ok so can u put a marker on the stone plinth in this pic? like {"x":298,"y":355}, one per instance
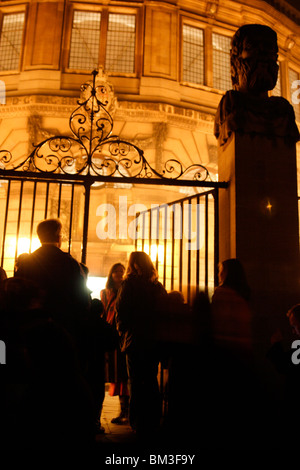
{"x":259,"y":223}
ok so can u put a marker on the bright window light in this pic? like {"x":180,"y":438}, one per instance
{"x":96,"y":284}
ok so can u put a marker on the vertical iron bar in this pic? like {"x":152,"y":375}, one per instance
{"x":71,"y":218}
{"x":157,"y":238}
{"x":87,"y":195}
{"x":135,"y":233}
{"x":46,"y":200}
{"x":165,"y":246}
{"x":216,"y":239}
{"x":5,"y":221}
{"x":94,"y":73}
{"x":59,"y":200}
{"x":32,"y":214}
{"x":19,"y":218}
{"x":150,"y":231}
{"x":189,"y":251}
{"x":173,"y":247}
{"x":181,"y":247}
{"x":198,"y":244}
{"x":206,"y":243}
{"x":143,"y":231}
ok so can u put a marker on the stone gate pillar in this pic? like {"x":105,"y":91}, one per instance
{"x":258,"y":219}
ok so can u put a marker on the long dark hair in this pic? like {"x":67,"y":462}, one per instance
{"x":235,"y":277}
{"x":110,"y":282}
{"x":143,"y":262}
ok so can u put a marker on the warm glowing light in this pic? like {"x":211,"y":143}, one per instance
{"x":156,"y":251}
{"x":269,"y":206}
{"x":24,"y":246}
{"x":95,"y":285}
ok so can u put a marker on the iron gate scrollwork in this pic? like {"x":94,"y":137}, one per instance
{"x":93,"y":150}
{"x":90,"y":154}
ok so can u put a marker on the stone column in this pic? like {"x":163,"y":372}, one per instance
{"x":259,"y":223}
{"x":257,"y":137}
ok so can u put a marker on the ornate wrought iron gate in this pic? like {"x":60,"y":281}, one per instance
{"x":55,"y":180}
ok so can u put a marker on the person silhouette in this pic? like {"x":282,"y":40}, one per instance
{"x":231,"y":313}
{"x":3,"y":274}
{"x":58,"y":276}
{"x":284,"y":355}
{"x":140,"y":299}
{"x":116,"y":363}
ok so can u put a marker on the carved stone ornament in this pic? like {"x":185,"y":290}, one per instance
{"x":104,"y":91}
{"x":248,"y":108}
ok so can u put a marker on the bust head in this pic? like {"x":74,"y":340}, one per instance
{"x":253,"y":56}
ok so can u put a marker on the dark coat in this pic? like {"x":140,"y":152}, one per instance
{"x":60,"y":280}
{"x":138,"y":306}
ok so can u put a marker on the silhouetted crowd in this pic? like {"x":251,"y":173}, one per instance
{"x":62,"y":347}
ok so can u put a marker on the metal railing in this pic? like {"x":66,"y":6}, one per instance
{"x":181,"y":238}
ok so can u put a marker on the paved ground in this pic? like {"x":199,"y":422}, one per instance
{"x":119,"y":445}
{"x":120,"y":439}
{"x":114,"y":433}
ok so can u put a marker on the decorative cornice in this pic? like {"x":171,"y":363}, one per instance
{"x":38,"y":104}
{"x":287,"y":8}
{"x":62,"y":107}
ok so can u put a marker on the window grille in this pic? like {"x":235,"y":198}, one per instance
{"x":11,"y":41}
{"x":192,"y":54}
{"x":221,"y":62}
{"x":294,"y":92}
{"x":85,"y":40}
{"x":120,"y":45}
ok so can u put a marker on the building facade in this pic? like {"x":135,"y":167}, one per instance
{"x":168,"y":65}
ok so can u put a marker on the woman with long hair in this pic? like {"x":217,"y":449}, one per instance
{"x":116,"y":364}
{"x":232,"y":275}
{"x":231,"y":314}
{"x":139,"y":302}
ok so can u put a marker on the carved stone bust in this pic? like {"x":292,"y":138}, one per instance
{"x":253,"y":59}
{"x":254,"y":70}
